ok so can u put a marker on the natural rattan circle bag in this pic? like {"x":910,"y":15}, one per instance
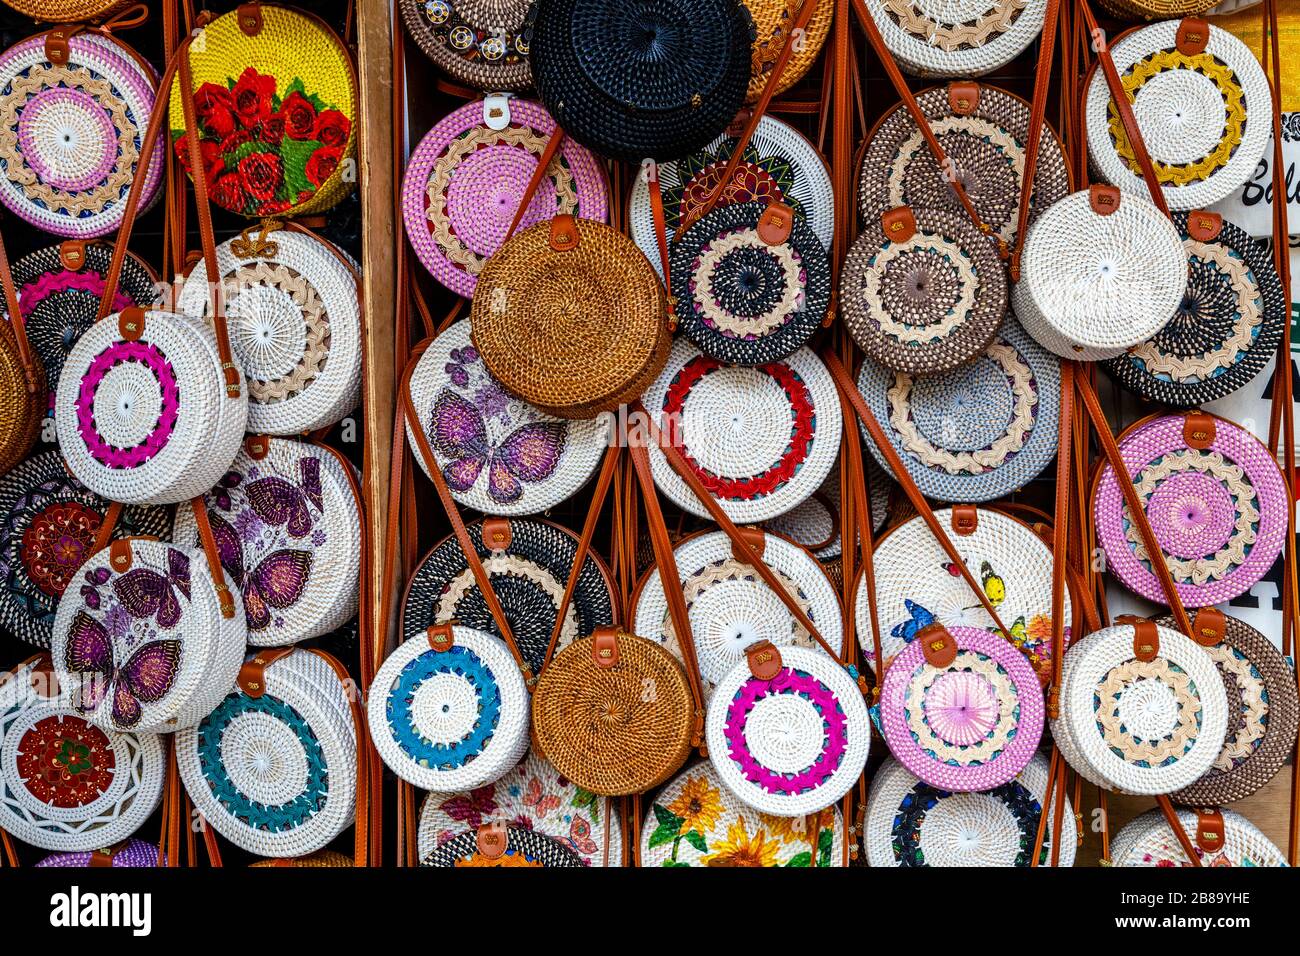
{"x":480,"y":42}
{"x":1148,"y":841}
{"x":772,"y":22}
{"x":524,"y":847}
{"x":1166,"y":9}
{"x":325,"y":859}
{"x":66,"y":11}
{"x":966,"y":38}
{"x":642,"y":78}
{"x":130,"y":853}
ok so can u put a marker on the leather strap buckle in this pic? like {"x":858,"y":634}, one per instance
{"x":231,"y":372}
{"x":604,"y":647}
{"x":1192,"y":37}
{"x":755,"y":538}
{"x":441,"y":636}
{"x":72,"y":254}
{"x":57,"y":41}
{"x":252,"y":674}
{"x":937,"y":644}
{"x":225,"y":599}
{"x":1203,"y":225}
{"x":492,"y":839}
{"x":1146,"y":637}
{"x":764,"y":660}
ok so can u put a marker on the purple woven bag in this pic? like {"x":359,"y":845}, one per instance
{"x":133,"y":853}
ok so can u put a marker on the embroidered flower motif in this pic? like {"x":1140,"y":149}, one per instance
{"x":739,"y":849}
{"x":698,"y":805}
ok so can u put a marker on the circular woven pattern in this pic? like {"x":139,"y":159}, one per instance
{"x":524,"y":847}
{"x":48,"y":525}
{"x":928,"y":303}
{"x":316,"y":861}
{"x":1226,"y":328}
{"x":528,"y":577}
{"x":132,"y":853}
{"x":288,"y":529}
{"x":480,"y":42}
{"x":1092,"y":286}
{"x":973,"y":433}
{"x":65,"y":784}
{"x":761,"y":439}
{"x":574,"y":332}
{"x":911,"y":823}
{"x":21,"y":411}
{"x":1192,"y":111}
{"x":535,"y":796}
{"x":772,"y":22}
{"x":146,"y":650}
{"x":742,"y":300}
{"x":71,"y":133}
{"x":1219,"y":514}
{"x":1140,"y":727}
{"x":66,"y":11}
{"x":957,"y":37}
{"x":276,"y":774}
{"x":815,"y":524}
{"x":917,"y":585}
{"x":1148,"y":840}
{"x":972,"y":725}
{"x":696,"y":821}
{"x":465,"y":180}
{"x":618,"y":729}
{"x":450,"y":720}
{"x":497,"y":453}
{"x":148,"y":420}
{"x":794,"y":744}
{"x":295,"y":328}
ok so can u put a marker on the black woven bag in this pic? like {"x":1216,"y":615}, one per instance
{"x":642,"y":78}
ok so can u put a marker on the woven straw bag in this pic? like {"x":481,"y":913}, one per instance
{"x":131,"y":853}
{"x":480,"y":42}
{"x":49,"y":525}
{"x":642,"y":78}
{"x":325,"y":859}
{"x":498,"y":453}
{"x":911,"y":823}
{"x":696,"y":821}
{"x":281,"y":79}
{"x":523,"y":847}
{"x":533,"y":795}
{"x":286,"y":516}
{"x":1215,"y":499}
{"x":1100,"y":273}
{"x":273,"y":768}
{"x":974,"y":433}
{"x":957,"y":39}
{"x":772,"y":22}
{"x":66,"y":11}
{"x":1159,"y":9}
{"x":1148,"y":840}
{"x":528,"y":564}
{"x":448,"y":710}
{"x":66,"y":785}
{"x":814,"y":525}
{"x":761,"y":439}
{"x":1193,"y":87}
{"x":571,"y":318}
{"x":1227,"y":326}
{"x":467,"y":177}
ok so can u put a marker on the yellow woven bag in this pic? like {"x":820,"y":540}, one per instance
{"x":22,"y":378}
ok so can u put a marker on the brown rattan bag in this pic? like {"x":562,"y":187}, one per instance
{"x":66,"y":11}
{"x":22,"y":379}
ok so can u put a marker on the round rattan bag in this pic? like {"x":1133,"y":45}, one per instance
{"x":467,"y":177}
{"x":1100,"y":273}
{"x":614,"y":713}
{"x":325,"y":859}
{"x":295,"y":327}
{"x":22,"y":397}
{"x":288,"y":528}
{"x":1148,"y":841}
{"x":1217,"y":504}
{"x":638,"y":78}
{"x":480,"y":42}
{"x":922,"y":290}
{"x":1192,"y":101}
{"x":815,"y":524}
{"x":1227,"y":326}
{"x":772,"y":22}
{"x":275,"y":98}
{"x":968,"y":38}
{"x":571,"y":317}
{"x":48,"y":525}
{"x":66,"y":11}
{"x":696,"y":821}
{"x":497,"y":453}
{"x":130,"y":853}
{"x":524,"y":847}
{"x":64,"y":784}
{"x":71,"y":133}
{"x":973,"y":433}
{"x":1164,"y":9}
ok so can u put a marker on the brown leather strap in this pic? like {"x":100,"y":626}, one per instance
{"x":361,"y":843}
{"x":252,"y":673}
{"x":661,"y":239}
{"x":106,"y":527}
{"x":1037,"y":120}
{"x":213,"y":556}
{"x":1209,"y":830}
{"x":1171,"y":817}
{"x":1060,"y":535}
{"x":33,"y":373}
{"x":543,"y":165}
{"x":856,"y":479}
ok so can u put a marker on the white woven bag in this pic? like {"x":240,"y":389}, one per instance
{"x":1148,"y":840}
{"x":957,"y":37}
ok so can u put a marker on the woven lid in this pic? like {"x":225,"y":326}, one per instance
{"x":291,"y":89}
{"x":453,"y":719}
{"x":638,"y":78}
{"x":71,"y":133}
{"x":772,"y":22}
{"x":1219,"y":514}
{"x":315,"y":861}
{"x":741,"y":299}
{"x":927,"y":303}
{"x":480,"y":42}
{"x":295,"y":328}
{"x":778,"y":165}
{"x":1085,"y":290}
{"x":761,"y":439}
{"x":815,"y":524}
{"x":65,"y":784}
{"x":528,"y":574}
{"x":497,"y":453}
{"x":986,"y":143}
{"x":1148,"y":840}
{"x":535,"y":796}
{"x":1164,"y":9}
{"x":524,"y":847}
{"x":696,"y":821}
{"x":131,"y":853}
{"x":575,"y":331}
{"x":973,"y":433}
{"x":66,"y":11}
{"x":466,"y":178}
{"x":1225,"y":331}
{"x":911,"y":823}
{"x":276,"y":774}
{"x":288,"y":529}
{"x":48,"y":525}
{"x":967,"y":38}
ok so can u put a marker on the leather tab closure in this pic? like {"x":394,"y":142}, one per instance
{"x":898,"y":224}
{"x":564,"y":233}
{"x":775,"y":224}
{"x":252,"y":675}
{"x":937,"y":644}
{"x":963,"y":97}
{"x":230,"y":372}
{"x":496,"y":111}
{"x":491,"y":840}
{"x":441,"y":637}
{"x":1209,"y":830}
{"x":1203,"y":225}
{"x":57,"y":43}
{"x":1103,"y":199}
{"x":764,"y":660}
{"x":1198,"y":430}
{"x":755,"y":538}
{"x":102,"y":858}
{"x":119,"y":556}
{"x":1192,"y":37}
{"x":497,"y":534}
{"x":257,"y":446}
{"x":1146,"y":637}
{"x":250,"y":18}
{"x":130,"y":323}
{"x":965,"y":519}
{"x":604,"y":647}
{"x":1209,"y":625}
{"x":72,"y":254}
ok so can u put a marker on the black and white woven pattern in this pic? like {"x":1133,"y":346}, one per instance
{"x":523,"y":848}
